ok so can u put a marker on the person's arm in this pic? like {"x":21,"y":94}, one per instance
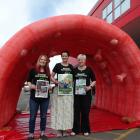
{"x":73,"y":72}
{"x":29,"y":80}
{"x":53,"y":79}
{"x":87,"y":88}
{"x":93,"y":83}
{"x":31,"y":86}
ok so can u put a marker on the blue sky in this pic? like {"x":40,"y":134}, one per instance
{"x":15,"y":14}
{"x":44,"y":8}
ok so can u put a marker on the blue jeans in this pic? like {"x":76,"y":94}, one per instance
{"x":34,"y":106}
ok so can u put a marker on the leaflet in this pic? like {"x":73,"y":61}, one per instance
{"x":80,"y":86}
{"x":42,"y":89}
{"x":65,"y":86}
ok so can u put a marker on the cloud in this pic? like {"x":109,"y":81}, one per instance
{"x":75,"y":7}
{"x":14,"y":15}
{"x":44,"y":8}
{"x":41,"y":9}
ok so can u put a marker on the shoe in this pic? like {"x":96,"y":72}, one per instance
{"x":43,"y":137}
{"x":30,"y":138}
{"x":72,"y":134}
{"x":64,"y":134}
{"x":59,"y":134}
{"x":86,"y":134}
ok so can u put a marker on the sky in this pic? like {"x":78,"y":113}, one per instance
{"x":15,"y":14}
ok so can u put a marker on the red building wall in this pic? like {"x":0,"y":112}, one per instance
{"x":125,"y":18}
{"x":129,"y":21}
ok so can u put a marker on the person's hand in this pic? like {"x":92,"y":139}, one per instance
{"x":87,"y":88}
{"x":50,"y":89}
{"x":32,"y":87}
{"x":57,"y":82}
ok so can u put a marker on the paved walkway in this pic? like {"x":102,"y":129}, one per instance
{"x":130,"y":134}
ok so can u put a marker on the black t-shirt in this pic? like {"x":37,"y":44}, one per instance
{"x":60,"y":69}
{"x":33,"y":77}
{"x":86,"y":74}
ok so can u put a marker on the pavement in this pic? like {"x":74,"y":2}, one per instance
{"x":130,"y":134}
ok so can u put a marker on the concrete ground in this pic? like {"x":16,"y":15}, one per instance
{"x":130,"y":134}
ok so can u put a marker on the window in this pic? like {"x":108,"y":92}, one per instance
{"x":120,"y":6}
{"x":125,"y":6}
{"x":109,"y":8}
{"x":117,"y":12}
{"x":109,"y":18}
{"x":107,"y":13}
{"x":115,"y":9}
{"x":104,"y":13}
{"x":116,"y":3}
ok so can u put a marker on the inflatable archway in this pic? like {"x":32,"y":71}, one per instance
{"x":111,"y":53}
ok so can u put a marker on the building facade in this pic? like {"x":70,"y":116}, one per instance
{"x":123,"y":13}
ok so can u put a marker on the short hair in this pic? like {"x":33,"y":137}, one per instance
{"x":65,"y":52}
{"x":82,"y":56}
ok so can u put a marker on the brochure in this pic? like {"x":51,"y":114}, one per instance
{"x":80,"y":86}
{"x":42,"y":89}
{"x":65,"y":86}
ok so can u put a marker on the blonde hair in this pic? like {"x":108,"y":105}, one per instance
{"x":81,"y":56}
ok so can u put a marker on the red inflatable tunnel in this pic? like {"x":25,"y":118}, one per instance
{"x":112,"y":54}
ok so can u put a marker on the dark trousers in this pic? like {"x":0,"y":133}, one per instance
{"x":82,"y":105}
{"x":34,"y":106}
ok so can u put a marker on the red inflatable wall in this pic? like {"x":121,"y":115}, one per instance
{"x":111,"y":53}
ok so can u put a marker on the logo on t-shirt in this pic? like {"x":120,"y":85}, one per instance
{"x":67,"y":70}
{"x":41,"y":76}
{"x":80,"y":75}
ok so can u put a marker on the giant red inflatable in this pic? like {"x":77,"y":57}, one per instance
{"x":111,"y":53}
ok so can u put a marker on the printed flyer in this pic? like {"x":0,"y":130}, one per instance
{"x":80,"y":87}
{"x":65,"y":86}
{"x":42,"y":89}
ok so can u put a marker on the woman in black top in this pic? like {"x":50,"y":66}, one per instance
{"x":84,"y":81}
{"x":62,"y":105}
{"x":38,"y":81}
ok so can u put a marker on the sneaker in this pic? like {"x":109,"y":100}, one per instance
{"x":65,"y":134}
{"x":59,"y":133}
{"x":72,"y":134}
{"x":86,"y":134}
{"x":43,"y":137}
